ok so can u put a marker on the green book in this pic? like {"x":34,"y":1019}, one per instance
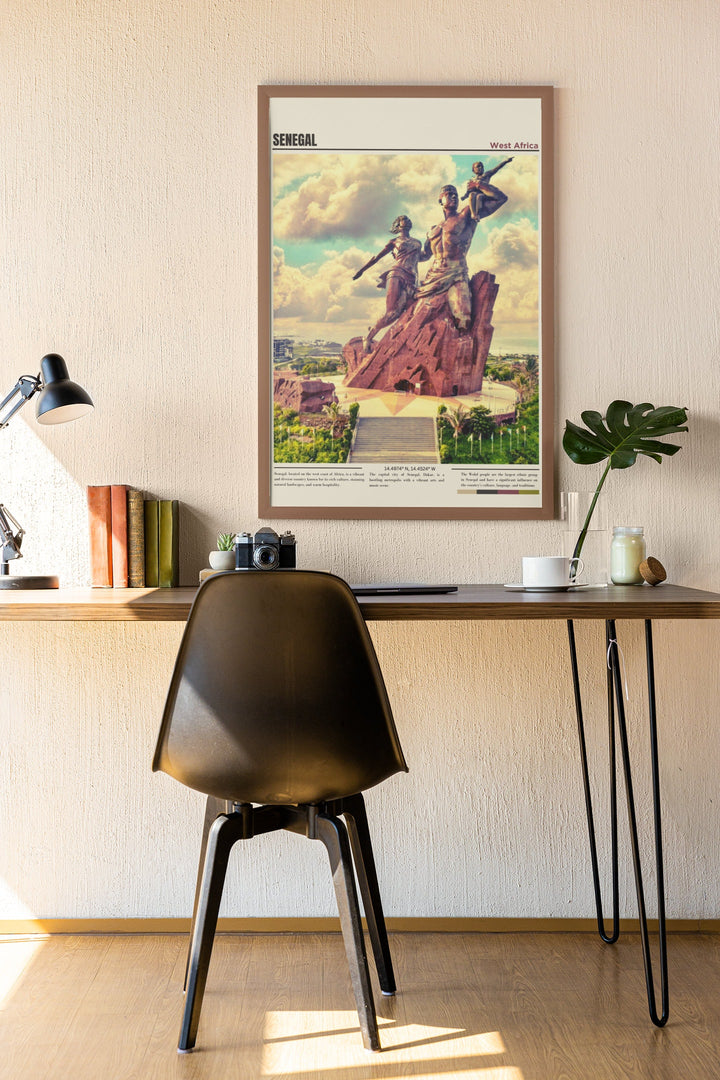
{"x":151,"y":544}
{"x":168,"y":544}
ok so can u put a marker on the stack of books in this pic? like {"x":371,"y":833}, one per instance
{"x":134,"y":541}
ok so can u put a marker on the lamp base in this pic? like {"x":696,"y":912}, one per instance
{"x":30,"y":581}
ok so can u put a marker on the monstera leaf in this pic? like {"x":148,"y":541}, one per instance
{"x":626,"y":431}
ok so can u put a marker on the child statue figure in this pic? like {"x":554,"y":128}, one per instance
{"x":477,"y":188}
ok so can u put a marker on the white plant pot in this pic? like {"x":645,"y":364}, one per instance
{"x":222,"y":560}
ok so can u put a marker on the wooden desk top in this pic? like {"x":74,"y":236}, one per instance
{"x":469,"y":602}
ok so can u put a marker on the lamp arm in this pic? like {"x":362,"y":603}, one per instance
{"x":24,"y":388}
{"x":11,"y":532}
{"x":11,"y":541}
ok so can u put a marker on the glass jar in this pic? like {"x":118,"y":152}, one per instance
{"x":627,"y":551}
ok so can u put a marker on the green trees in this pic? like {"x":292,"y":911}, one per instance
{"x":322,"y":367}
{"x":311,"y":439}
{"x":475,"y":437}
{"x":528,"y":423}
{"x":520,"y":372}
{"x":481,"y":422}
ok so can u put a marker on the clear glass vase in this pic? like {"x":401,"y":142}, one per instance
{"x":574,"y":506}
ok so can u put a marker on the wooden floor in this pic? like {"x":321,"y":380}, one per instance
{"x":493,"y":1006}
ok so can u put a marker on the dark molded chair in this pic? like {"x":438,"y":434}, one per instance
{"x":277,"y":711}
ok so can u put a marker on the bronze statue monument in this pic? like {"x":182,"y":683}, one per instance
{"x":439,"y":332}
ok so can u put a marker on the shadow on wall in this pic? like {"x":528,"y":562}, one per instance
{"x":50,"y":503}
{"x":46,"y":500}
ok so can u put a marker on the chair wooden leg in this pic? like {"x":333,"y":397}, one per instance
{"x":213,"y":808}
{"x":361,"y":845}
{"x":334,"y":836}
{"x":224,"y":831}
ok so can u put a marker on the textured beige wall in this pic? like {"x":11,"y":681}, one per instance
{"x":128,"y":244}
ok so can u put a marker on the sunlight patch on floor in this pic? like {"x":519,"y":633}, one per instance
{"x":319,"y":1043}
{"x":15,"y":957}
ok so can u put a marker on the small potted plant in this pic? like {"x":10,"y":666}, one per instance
{"x":223,"y":558}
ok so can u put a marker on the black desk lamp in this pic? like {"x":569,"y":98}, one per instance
{"x":58,"y":400}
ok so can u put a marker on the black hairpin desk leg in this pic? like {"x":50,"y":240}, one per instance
{"x":608,"y":938}
{"x":615,"y":699}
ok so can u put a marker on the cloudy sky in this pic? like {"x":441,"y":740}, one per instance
{"x":332,"y":212}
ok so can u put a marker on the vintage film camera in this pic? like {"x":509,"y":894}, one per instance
{"x":265,"y":550}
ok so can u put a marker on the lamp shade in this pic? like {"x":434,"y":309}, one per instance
{"x":60,"y":399}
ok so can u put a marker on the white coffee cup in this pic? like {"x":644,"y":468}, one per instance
{"x":549,"y":571}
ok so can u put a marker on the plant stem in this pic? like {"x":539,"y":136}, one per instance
{"x":583,"y":531}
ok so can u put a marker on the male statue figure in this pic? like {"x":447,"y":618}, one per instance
{"x":449,"y":242}
{"x":402,"y":277}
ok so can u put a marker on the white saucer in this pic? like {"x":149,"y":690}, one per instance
{"x":539,"y":588}
{"x":556,"y":588}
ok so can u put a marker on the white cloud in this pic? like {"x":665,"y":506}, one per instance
{"x":514,"y":244}
{"x":324,"y":293}
{"x":289,"y":168}
{"x":511,"y":254}
{"x":357,"y":194}
{"x":519,"y":181}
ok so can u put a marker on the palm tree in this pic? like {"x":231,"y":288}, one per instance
{"x":522,"y":385}
{"x":456,"y":418}
{"x":335,"y":416}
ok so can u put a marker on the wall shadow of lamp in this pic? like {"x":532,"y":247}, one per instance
{"x":58,"y":400}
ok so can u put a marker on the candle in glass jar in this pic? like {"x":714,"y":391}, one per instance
{"x":627,"y":551}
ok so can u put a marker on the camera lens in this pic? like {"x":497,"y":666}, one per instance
{"x":265,"y":557}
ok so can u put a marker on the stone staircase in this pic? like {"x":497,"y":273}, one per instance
{"x":395,"y":439}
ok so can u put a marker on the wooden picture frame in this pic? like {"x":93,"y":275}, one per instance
{"x":433,"y":397}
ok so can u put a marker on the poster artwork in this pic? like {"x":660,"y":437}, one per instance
{"x":406,"y":356}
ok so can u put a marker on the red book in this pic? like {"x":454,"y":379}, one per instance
{"x":119,"y":515}
{"x":100,"y":522}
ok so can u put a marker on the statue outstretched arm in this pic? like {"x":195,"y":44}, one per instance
{"x":375,"y":259}
{"x":491,"y":172}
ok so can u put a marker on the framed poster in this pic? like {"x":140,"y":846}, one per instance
{"x":405,"y":302}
